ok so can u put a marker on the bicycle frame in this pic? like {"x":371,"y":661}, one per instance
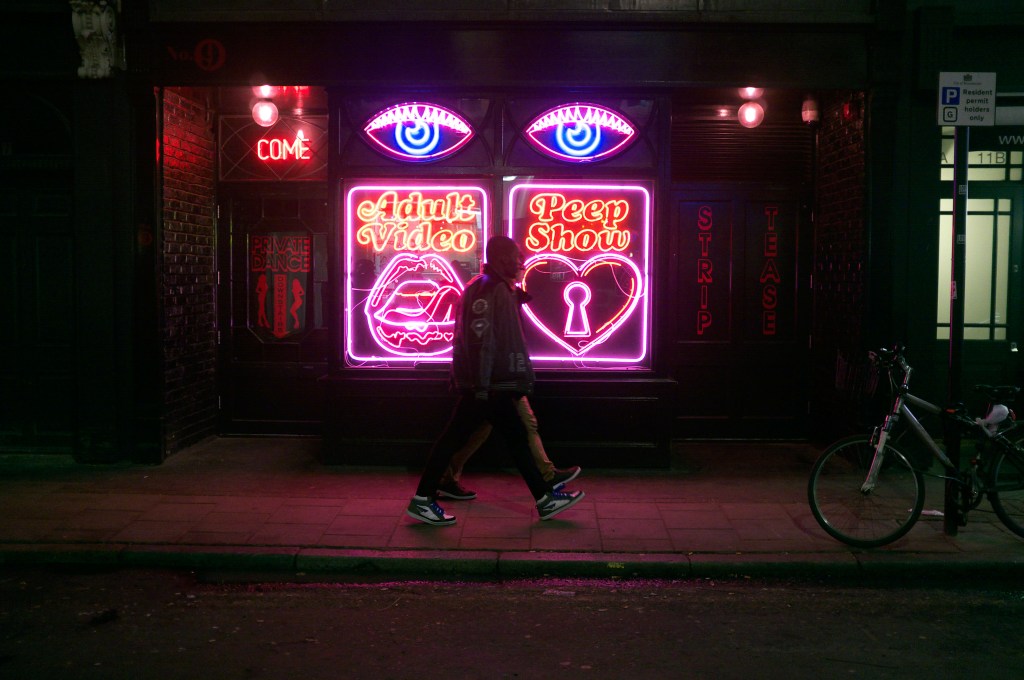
{"x":901,"y":410}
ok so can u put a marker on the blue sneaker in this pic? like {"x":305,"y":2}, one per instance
{"x":428,"y":511}
{"x":553,"y":503}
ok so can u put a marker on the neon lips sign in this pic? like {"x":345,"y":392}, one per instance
{"x":409,"y":250}
{"x":586,"y":270}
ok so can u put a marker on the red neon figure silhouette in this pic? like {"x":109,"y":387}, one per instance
{"x":298,"y":292}
{"x":261,"y":304}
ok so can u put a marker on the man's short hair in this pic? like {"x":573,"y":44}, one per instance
{"x":499,"y":246}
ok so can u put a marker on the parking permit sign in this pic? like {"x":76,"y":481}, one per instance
{"x":967,"y":98}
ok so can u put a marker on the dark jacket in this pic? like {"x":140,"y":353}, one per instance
{"x":489,"y":352}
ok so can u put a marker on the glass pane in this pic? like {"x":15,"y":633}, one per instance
{"x":942,"y":287}
{"x":976,"y":333}
{"x":1002,"y":258}
{"x":978,"y":272}
{"x":986,"y":174}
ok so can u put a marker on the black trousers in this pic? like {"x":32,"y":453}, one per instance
{"x":500,"y":411}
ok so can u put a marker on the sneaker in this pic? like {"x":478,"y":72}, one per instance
{"x":455,"y":491}
{"x":553,"y":503}
{"x":563,"y":477}
{"x":428,"y":511}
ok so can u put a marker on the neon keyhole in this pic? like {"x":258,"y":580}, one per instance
{"x":576,"y":296}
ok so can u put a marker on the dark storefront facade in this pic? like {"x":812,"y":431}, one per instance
{"x":294,"y":251}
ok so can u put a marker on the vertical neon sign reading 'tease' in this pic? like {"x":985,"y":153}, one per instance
{"x":587,"y":251}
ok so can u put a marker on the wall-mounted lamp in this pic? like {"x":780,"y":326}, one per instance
{"x":809,"y":111}
{"x":266,"y":91}
{"x":750,"y":114}
{"x":265,"y":113}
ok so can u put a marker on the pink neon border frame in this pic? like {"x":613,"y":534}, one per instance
{"x":643,"y":306}
{"x":350,"y":248}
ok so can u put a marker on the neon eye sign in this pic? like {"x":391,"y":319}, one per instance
{"x":580,"y":133}
{"x":586,"y":270}
{"x":409,"y":248}
{"x":418,"y":132}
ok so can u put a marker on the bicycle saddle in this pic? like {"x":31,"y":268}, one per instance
{"x":998,"y":393}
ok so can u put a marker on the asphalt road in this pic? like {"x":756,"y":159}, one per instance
{"x":169,"y":625}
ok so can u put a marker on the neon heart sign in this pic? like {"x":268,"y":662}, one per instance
{"x":583,"y":323}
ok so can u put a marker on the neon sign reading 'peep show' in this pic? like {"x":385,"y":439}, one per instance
{"x":586,"y":248}
{"x":410,"y":249}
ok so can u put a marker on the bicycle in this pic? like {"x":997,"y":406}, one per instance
{"x":866,"y":492}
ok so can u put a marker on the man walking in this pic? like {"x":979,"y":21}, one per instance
{"x":491,"y":369}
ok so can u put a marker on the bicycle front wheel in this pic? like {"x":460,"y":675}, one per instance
{"x":1007,"y":488}
{"x":864,"y":519}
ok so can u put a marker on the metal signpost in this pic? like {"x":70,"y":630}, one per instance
{"x":965,"y":100}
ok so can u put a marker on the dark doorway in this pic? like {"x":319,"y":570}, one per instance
{"x":739,"y":294}
{"x":38,"y":380}
{"x":273,"y":341}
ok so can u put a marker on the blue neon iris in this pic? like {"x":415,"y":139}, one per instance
{"x":579,"y":140}
{"x":417,"y":138}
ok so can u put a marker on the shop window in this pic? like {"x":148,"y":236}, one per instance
{"x":986,"y":274}
{"x":587,"y":252}
{"x":410,"y":249}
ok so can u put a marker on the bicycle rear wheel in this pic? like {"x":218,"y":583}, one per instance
{"x":1007,"y":490}
{"x":855,"y":517}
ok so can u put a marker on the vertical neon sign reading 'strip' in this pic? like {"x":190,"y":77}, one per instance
{"x":410,"y":249}
{"x":586,"y":248}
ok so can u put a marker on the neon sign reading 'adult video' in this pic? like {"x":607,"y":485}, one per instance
{"x":418,"y":132}
{"x":587,"y":271}
{"x":410,"y":250}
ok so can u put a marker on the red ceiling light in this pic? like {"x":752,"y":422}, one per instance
{"x":265,"y":113}
{"x":266,"y":91}
{"x":750,"y":114}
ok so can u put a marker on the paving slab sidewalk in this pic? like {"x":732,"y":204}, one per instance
{"x":265,"y":505}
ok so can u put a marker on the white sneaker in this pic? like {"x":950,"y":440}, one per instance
{"x":428,"y":511}
{"x":553,"y":503}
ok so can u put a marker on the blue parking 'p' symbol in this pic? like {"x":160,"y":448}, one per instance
{"x":951,"y":96}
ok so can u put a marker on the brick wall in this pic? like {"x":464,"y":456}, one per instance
{"x":839,"y":261}
{"x":188,"y":269}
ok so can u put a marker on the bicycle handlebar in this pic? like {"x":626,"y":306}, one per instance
{"x":892,"y":357}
